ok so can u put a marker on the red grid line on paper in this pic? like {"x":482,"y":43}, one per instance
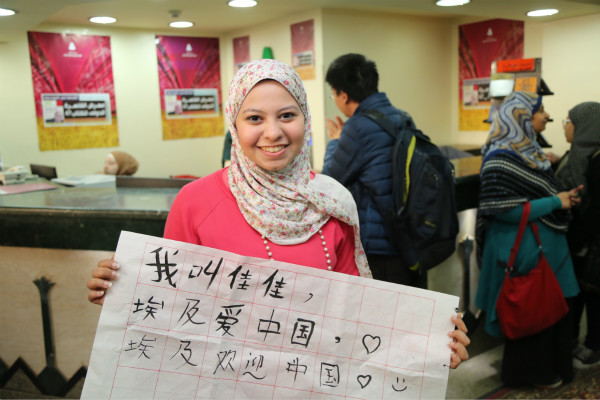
{"x":288,"y":309}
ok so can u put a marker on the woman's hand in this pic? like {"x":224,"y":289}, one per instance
{"x":459,"y":343}
{"x":102,"y":275}
{"x":571,"y":198}
{"x":334,"y":128}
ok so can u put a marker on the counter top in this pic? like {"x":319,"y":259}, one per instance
{"x":92,"y":218}
{"x":82,"y":218}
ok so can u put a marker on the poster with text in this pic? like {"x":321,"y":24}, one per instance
{"x":241,"y":52}
{"x":73,"y":90}
{"x":184,"y":321}
{"x":303,"y":49}
{"x":480,"y":44}
{"x":189,"y":74}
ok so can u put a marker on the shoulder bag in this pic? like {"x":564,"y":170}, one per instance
{"x":528,"y":304}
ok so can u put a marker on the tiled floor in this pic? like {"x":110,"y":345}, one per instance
{"x":480,"y":374}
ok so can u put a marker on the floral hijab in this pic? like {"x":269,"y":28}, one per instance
{"x":512,"y":130}
{"x":286,"y":206}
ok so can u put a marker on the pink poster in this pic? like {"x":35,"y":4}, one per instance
{"x":241,"y":52}
{"x":303,"y":49}
{"x":73,"y":90}
{"x":480,"y":44}
{"x":189,"y":73}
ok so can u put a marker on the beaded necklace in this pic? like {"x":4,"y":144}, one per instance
{"x":323,"y":242}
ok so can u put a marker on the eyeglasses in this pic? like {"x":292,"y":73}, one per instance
{"x":566,"y":121}
{"x":331,"y":97}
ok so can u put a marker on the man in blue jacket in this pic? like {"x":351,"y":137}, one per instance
{"x":359,"y":156}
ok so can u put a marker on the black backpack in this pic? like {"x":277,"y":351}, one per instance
{"x":423,"y":219}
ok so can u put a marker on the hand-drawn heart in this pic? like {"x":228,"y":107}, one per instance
{"x":371,"y":343}
{"x":363,"y":380}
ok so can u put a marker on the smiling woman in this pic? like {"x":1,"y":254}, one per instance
{"x":271,"y":134}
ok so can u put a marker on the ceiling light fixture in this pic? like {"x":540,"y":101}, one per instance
{"x":181,"y":24}
{"x":242,"y":3}
{"x":103,"y":20}
{"x":451,"y":3}
{"x":542,"y":13}
{"x":6,"y":12}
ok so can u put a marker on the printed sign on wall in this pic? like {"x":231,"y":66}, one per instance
{"x":241,"y":52}
{"x":303,"y":49}
{"x":480,"y":44}
{"x":189,"y":74}
{"x":73,"y":90}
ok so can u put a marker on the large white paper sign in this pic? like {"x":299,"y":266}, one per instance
{"x":187,"y":321}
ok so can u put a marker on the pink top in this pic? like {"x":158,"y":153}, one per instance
{"x":206,"y":213}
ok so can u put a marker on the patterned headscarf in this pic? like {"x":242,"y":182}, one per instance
{"x":285,"y":205}
{"x":586,"y":141}
{"x":512,"y":130}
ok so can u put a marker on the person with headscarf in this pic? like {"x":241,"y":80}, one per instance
{"x":268,"y":198}
{"x":514,"y":171}
{"x":581,"y":166}
{"x":120,"y":163}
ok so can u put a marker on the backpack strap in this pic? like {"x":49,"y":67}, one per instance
{"x":384,"y":122}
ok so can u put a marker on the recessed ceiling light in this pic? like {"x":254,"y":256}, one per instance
{"x":542,"y":13}
{"x":103,"y":20}
{"x":242,"y":3}
{"x":451,"y":3}
{"x":5,"y":12}
{"x":181,"y":24}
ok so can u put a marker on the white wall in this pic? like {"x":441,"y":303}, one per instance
{"x":414,"y":60}
{"x":571,"y":67}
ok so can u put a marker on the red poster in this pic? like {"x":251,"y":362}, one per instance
{"x":241,"y":52}
{"x":189,"y":74}
{"x":73,"y":89}
{"x":480,"y":44}
{"x":303,"y":49}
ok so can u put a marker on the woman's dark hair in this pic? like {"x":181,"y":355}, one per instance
{"x":353,"y":74}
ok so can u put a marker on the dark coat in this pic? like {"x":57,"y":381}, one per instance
{"x":361,"y":160}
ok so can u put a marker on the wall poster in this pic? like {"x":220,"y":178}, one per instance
{"x":73,"y":90}
{"x":241,"y":52}
{"x":303,"y":49}
{"x":189,"y":73}
{"x":480,"y":44}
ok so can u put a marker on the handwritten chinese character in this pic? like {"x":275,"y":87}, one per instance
{"x":225,"y":360}
{"x":143,"y":346}
{"x":229,"y":319}
{"x":296,"y":368}
{"x":244,"y":278}
{"x":278,"y":285}
{"x":164,"y":267}
{"x":257,"y":363}
{"x":206,"y":271}
{"x":150,"y":309}
{"x":330,"y":375}
{"x":303,"y":330}
{"x":190,"y":312}
{"x":188,"y":352}
{"x":266,"y":330}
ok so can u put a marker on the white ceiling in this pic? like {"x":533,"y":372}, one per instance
{"x":215,"y":17}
